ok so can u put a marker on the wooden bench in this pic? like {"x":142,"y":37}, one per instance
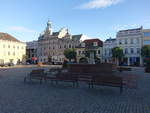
{"x":108,"y":80}
{"x":62,"y":75}
{"x":92,"y":74}
{"x":124,"y":69}
{"x":96,"y":74}
{"x":35,"y":74}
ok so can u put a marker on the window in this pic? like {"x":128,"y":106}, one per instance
{"x":14,"y":53}
{"x":8,"y":46}
{"x":79,"y":52}
{"x":126,"y":50}
{"x":69,"y":46}
{"x":146,"y":34}
{"x":126,"y":41}
{"x":132,"y":50}
{"x":95,"y":43}
{"x":110,"y":52}
{"x":138,"y":50}
{"x":137,"y":40}
{"x":83,"y":52}
{"x":99,"y":52}
{"x":120,"y":41}
{"x":105,"y":52}
{"x":8,"y":53}
{"x":14,"y":47}
{"x":83,"y":44}
{"x":3,"y":46}
{"x":146,"y":42}
{"x":131,"y":41}
{"x":18,"y":47}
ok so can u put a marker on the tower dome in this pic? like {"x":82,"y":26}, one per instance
{"x":49,"y":23}
{"x":48,"y":28}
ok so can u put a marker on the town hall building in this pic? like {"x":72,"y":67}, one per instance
{"x":51,"y":45}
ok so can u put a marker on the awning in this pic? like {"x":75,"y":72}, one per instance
{"x":34,"y":58}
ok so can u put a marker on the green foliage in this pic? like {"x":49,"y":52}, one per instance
{"x":70,"y":54}
{"x":145,"y":51}
{"x":117,"y":52}
{"x":147,"y":68}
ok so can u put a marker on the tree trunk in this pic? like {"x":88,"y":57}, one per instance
{"x":117,"y":61}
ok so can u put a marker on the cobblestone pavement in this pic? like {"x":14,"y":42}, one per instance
{"x":17,"y":97}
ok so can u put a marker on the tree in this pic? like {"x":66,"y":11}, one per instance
{"x":117,"y":53}
{"x":70,"y":54}
{"x":145,"y":51}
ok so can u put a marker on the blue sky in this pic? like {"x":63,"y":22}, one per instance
{"x":26,"y":19}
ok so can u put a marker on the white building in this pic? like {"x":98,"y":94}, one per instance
{"x":107,"y":49}
{"x":11,"y":49}
{"x":51,"y":45}
{"x":131,"y":41}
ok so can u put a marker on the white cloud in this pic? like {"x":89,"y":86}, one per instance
{"x":95,"y":4}
{"x":20,"y":29}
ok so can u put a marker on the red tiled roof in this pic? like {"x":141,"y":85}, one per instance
{"x":100,"y":43}
{"x":6,"y":36}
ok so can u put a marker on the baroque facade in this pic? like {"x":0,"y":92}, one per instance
{"x":11,"y":49}
{"x":51,"y":45}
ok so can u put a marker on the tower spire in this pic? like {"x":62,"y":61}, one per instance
{"x":49,"y":23}
{"x":48,"y":28}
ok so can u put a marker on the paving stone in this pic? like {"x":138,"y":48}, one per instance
{"x":17,"y":97}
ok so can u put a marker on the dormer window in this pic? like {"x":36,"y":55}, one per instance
{"x":83,"y":44}
{"x":95,"y":43}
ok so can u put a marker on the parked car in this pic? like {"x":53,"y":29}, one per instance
{"x":11,"y":64}
{"x":8,"y":64}
{"x":2,"y":65}
{"x":57,"y":63}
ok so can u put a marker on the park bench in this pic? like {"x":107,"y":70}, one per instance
{"x":120,"y":68}
{"x":108,"y":80}
{"x":62,"y":75}
{"x":35,"y":74}
{"x":96,"y":74}
{"x":92,"y":74}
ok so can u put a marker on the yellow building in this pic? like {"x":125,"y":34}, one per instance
{"x":11,"y":49}
{"x":146,"y":37}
